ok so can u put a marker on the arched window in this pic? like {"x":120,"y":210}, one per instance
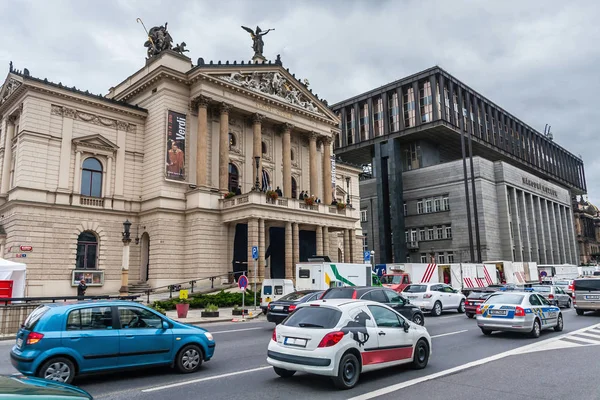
{"x":232,"y":140}
{"x":264,"y":148}
{"x":91,"y":178}
{"x":294,"y":188}
{"x":234,"y":178}
{"x":87,"y":251}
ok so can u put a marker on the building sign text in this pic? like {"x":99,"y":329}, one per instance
{"x":539,"y":186}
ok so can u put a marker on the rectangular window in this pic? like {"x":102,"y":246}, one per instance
{"x":450,"y":257}
{"x":440,"y":232}
{"x":413,"y":235}
{"x":378,"y":117}
{"x":409,"y":108}
{"x":350,"y":126}
{"x":448,"y":232}
{"x":408,"y":258}
{"x":437,"y":205}
{"x":446,"y":202}
{"x":422,"y":235}
{"x":364,"y":122}
{"x":429,"y":233}
{"x":394,"y":112}
{"x":420,"y":207}
{"x":412,"y":156}
{"x":406,"y":236}
{"x":363,"y":216}
{"x":425,"y":102}
{"x":365,"y":243}
{"x":405,"y":209}
{"x":423,"y":258}
{"x":428,"y":208}
{"x":441,"y":259}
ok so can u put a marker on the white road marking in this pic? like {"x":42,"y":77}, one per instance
{"x":590,"y":335}
{"x":239,"y":330}
{"x":449,"y":333}
{"x":412,"y":382}
{"x":583,"y":339}
{"x":172,"y":385}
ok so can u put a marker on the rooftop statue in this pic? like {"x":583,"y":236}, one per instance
{"x":257,"y":41}
{"x":159,"y":39}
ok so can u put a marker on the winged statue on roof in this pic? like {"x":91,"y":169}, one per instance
{"x":257,"y":41}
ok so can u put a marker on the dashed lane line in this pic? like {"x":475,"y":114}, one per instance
{"x":449,"y":333}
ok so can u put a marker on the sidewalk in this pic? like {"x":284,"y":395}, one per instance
{"x":225,"y":315}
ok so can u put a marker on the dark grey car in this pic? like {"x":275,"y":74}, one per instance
{"x":554,"y":294}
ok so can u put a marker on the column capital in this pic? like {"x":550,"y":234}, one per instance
{"x":12,"y":119}
{"x":224,"y":108}
{"x":286,"y":127}
{"x":327,"y":140}
{"x":201,"y":101}
{"x":257,"y":118}
{"x":313,"y":136}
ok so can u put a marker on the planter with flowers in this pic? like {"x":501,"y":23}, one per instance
{"x":229,"y":195}
{"x":210,"y":311}
{"x":309,"y":201}
{"x":272,"y":196}
{"x":341,"y":206}
{"x":182,"y":308}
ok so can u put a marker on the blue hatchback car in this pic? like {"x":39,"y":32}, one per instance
{"x":60,"y":341}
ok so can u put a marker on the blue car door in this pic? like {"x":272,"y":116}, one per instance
{"x":89,"y":331}
{"x":142,"y":338}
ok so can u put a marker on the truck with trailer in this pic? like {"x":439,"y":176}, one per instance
{"x":551,"y":272}
{"x":325,"y":275}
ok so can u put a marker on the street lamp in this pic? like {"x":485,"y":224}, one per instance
{"x":373,"y":260}
{"x":257,"y":183}
{"x":126,"y":237}
{"x":348,"y":190}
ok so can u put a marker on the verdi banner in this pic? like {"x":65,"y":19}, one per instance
{"x":175,"y":151}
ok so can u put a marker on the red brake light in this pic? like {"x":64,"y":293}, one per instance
{"x":519,"y":312}
{"x":427,"y":296}
{"x":274,"y":337}
{"x":551,"y":296}
{"x":353,"y":296}
{"x":331,"y":339}
{"x":292,"y":308}
{"x":34,"y":337}
{"x":478,"y":310}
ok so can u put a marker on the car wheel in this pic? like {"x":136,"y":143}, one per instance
{"x":284,"y":373}
{"x":579,"y":312}
{"x":569,"y":303}
{"x":461,"y":307}
{"x":486,"y":332}
{"x":559,"y":323}
{"x":418,"y":319}
{"x":436,"y":311}
{"x":421,"y":356}
{"x":58,"y":369}
{"x":348,"y":372}
{"x":189,"y":359}
{"x":470,"y":315}
{"x":536,"y":330}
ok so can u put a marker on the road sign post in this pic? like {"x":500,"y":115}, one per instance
{"x":242,"y":284}
{"x":255,"y":257}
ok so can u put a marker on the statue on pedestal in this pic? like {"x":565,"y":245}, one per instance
{"x":257,"y":41}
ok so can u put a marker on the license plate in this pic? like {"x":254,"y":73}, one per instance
{"x":278,"y":308}
{"x":552,"y":314}
{"x":593,"y":297}
{"x":412,"y":297}
{"x":497,"y":312}
{"x":290,"y":341}
{"x":19,"y":342}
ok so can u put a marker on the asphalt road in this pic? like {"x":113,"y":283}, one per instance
{"x":239,"y":369}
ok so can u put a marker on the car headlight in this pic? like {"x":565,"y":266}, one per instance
{"x":209,"y":336}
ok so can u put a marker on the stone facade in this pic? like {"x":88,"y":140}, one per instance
{"x":587,"y":228}
{"x":181,"y":228}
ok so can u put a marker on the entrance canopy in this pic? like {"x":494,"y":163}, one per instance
{"x":16,"y":272}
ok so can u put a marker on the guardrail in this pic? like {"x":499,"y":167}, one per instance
{"x":191,"y":284}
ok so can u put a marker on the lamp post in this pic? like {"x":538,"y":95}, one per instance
{"x":373,"y":260}
{"x":125,"y":262}
{"x":348,"y":190}
{"x":257,"y":183}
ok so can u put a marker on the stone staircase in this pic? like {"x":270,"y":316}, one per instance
{"x":139,"y":287}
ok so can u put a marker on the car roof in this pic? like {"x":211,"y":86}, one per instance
{"x":99,"y":303}
{"x":341,"y":303}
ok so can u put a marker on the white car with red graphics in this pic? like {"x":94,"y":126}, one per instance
{"x":342,"y":338}
{"x":435,"y":297}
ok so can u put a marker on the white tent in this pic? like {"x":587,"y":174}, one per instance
{"x":16,"y":272}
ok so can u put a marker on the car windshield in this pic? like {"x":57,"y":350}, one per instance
{"x":545,"y":289}
{"x":294,"y":296}
{"x":478,"y":295}
{"x":587,"y":284}
{"x":416,"y":288}
{"x":391,"y":279}
{"x":506,"y":298}
{"x":313,"y":317}
{"x":339,"y":293}
{"x":34,"y":317}
{"x":561,"y":283}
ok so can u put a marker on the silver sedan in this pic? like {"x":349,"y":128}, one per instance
{"x":554,"y":294}
{"x":525,"y":312}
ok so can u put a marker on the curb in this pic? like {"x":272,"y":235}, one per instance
{"x":198,"y":322}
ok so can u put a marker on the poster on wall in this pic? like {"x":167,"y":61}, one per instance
{"x":333,"y":178}
{"x":176,"y":132}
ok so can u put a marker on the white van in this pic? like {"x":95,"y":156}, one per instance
{"x":274,"y":289}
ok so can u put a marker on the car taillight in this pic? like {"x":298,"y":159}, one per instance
{"x":292,"y":308}
{"x":427,"y":296}
{"x":551,"y":296}
{"x":331,"y":339}
{"x":34,"y":337}
{"x":478,"y":310}
{"x":274,"y":337}
{"x":260,"y":300}
{"x":519,"y":312}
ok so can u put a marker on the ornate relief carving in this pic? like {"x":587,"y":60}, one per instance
{"x":92,"y":118}
{"x":9,"y":88}
{"x":272,"y":84}
{"x":224,"y":108}
{"x":268,"y":156}
{"x":286,"y":127}
{"x":56,"y":110}
{"x":257,"y":118}
{"x":122,"y":126}
{"x":296,"y":154}
{"x":201,"y":101}
{"x":69,"y":112}
{"x":238,"y":145}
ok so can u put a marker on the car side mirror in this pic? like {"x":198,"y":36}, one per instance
{"x":406,"y":326}
{"x":165,"y":325}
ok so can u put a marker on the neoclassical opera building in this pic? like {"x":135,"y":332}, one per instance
{"x":165,"y":149}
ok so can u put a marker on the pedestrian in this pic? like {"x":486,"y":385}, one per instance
{"x":238,"y":191}
{"x":279,"y":192}
{"x":301,"y":197}
{"x":81,"y":288}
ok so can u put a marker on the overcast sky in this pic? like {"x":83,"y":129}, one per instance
{"x":537,"y":59}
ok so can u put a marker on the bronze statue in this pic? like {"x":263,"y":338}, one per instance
{"x":159,"y":39}
{"x":180,"y":48}
{"x":257,"y":42}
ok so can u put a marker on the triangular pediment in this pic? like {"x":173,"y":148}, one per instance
{"x":11,"y":84}
{"x":276,"y":83}
{"x":95,"y":142}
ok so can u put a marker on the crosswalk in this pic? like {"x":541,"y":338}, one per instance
{"x":588,"y":337}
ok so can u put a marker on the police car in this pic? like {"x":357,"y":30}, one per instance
{"x":342,"y":338}
{"x":523,"y":311}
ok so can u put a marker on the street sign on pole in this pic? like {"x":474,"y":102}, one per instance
{"x":255,"y":252}
{"x":255,"y":268}
{"x":367,"y":255}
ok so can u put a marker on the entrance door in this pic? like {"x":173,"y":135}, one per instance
{"x":277,"y":252}
{"x":145,"y":258}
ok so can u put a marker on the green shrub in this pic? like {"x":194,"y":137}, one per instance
{"x":201,"y":301}
{"x":211,"y":308}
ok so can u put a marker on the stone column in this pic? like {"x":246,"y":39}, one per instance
{"x":346,"y":245}
{"x":319,"y":234}
{"x":326,"y":241}
{"x":7,"y":164}
{"x":202,"y":141}
{"x":224,"y":148}
{"x":77,"y":173}
{"x":125,"y":268}
{"x":261,"y":249}
{"x":296,"y":248}
{"x":289,"y":260}
{"x":287,"y":160}
{"x":253,"y":235}
{"x":352,"y":242}
{"x":312,"y":154}
{"x":327,"y":188}
{"x":257,"y":147}
{"x":108,"y":191}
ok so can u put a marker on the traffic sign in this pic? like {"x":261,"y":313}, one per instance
{"x":543,"y":274}
{"x":255,"y":252}
{"x":243,"y":282}
{"x":367,"y":255}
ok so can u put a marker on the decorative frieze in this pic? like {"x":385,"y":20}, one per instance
{"x":92,"y":118}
